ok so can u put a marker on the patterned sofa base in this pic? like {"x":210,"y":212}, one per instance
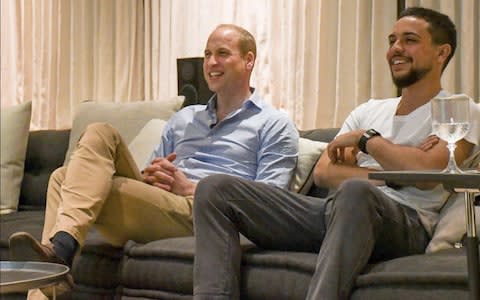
{"x":163,"y":270}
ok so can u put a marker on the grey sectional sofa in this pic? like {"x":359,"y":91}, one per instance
{"x":163,"y":269}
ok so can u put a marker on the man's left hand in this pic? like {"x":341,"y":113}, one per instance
{"x":336,"y":148}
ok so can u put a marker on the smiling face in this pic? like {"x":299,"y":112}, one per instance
{"x":412,"y":55}
{"x":225,"y":68}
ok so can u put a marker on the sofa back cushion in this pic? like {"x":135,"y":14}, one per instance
{"x":15,"y":123}
{"x":451,"y":227}
{"x":45,"y":152}
{"x":322,"y":135}
{"x":127,"y":118}
{"x":309,"y":152}
{"x":144,"y":143}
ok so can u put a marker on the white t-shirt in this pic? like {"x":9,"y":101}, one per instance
{"x":408,"y":130}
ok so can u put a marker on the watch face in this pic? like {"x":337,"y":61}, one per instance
{"x":371,"y":132}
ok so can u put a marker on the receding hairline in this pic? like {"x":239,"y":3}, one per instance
{"x":246,"y":39}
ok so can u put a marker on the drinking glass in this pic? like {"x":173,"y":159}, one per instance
{"x":450,"y":122}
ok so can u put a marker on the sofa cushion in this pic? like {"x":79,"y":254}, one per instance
{"x":441,"y":275}
{"x":309,"y":152}
{"x":163,"y":269}
{"x":45,"y":153}
{"x":322,"y":135}
{"x":15,"y":123}
{"x":145,"y":141}
{"x":127,"y":118}
{"x":29,"y":221}
{"x":99,"y":258}
{"x":163,"y":265}
{"x":451,"y":227}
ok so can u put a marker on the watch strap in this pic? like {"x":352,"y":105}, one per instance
{"x":367,"y":135}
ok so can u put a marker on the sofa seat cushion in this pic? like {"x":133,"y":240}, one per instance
{"x":163,"y":265}
{"x":29,"y":221}
{"x":276,"y":274}
{"x":441,"y":275}
{"x":96,"y":270}
{"x":163,"y":269}
{"x":160,"y":269}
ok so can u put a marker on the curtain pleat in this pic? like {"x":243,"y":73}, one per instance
{"x":463,"y":72}
{"x":316,"y":60}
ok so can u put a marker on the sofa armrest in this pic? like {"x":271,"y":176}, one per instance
{"x":45,"y":152}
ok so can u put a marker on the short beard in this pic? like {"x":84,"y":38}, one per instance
{"x":409,"y":79}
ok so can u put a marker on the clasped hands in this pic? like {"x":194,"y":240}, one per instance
{"x":336,"y":148}
{"x":163,"y":174}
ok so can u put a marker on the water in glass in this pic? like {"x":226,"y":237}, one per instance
{"x":450,"y":122}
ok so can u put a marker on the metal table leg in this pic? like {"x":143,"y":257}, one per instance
{"x":472,"y":248}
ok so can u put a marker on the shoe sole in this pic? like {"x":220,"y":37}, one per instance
{"x":23,"y":247}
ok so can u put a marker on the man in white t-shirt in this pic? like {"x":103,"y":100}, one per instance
{"x":363,"y":220}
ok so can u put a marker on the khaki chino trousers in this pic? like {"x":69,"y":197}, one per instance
{"x":102,"y":187}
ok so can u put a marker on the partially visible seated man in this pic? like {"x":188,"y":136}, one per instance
{"x":363,"y":219}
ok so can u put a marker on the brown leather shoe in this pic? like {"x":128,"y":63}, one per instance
{"x":24,"y":247}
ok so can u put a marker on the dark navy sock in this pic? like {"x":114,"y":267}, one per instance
{"x":65,"y":246}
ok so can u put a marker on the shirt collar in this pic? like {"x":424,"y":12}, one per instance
{"x":442,"y":93}
{"x":254,"y":99}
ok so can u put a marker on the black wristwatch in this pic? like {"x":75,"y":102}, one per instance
{"x":362,"y":143}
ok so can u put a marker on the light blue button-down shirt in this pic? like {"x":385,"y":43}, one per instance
{"x":255,"y":142}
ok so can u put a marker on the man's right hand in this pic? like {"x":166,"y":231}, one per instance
{"x":160,"y":172}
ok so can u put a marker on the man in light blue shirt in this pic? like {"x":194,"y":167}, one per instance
{"x":236,"y":133}
{"x":256,"y":142}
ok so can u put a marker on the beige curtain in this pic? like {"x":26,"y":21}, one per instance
{"x":317,"y":59}
{"x":58,"y":53}
{"x":463,"y":73}
{"x":327,"y":57}
{"x":180,"y":28}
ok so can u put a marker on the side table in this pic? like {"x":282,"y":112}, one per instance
{"x":467,"y":183}
{"x":17,"y":277}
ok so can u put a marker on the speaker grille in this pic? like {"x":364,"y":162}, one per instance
{"x":190,"y":81}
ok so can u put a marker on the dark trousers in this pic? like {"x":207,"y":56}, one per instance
{"x":356,"y":224}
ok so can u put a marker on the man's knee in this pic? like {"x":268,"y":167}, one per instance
{"x":100,"y":133}
{"x":355,"y":195}
{"x":101,"y":128}
{"x":213,"y":188}
{"x":355,"y":186}
{"x":57,"y":176}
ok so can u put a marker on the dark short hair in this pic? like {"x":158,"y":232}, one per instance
{"x":441,"y":27}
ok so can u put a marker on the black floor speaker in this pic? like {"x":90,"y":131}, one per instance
{"x":191,"y":82}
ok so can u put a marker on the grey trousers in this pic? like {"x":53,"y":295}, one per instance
{"x":354,"y":226}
